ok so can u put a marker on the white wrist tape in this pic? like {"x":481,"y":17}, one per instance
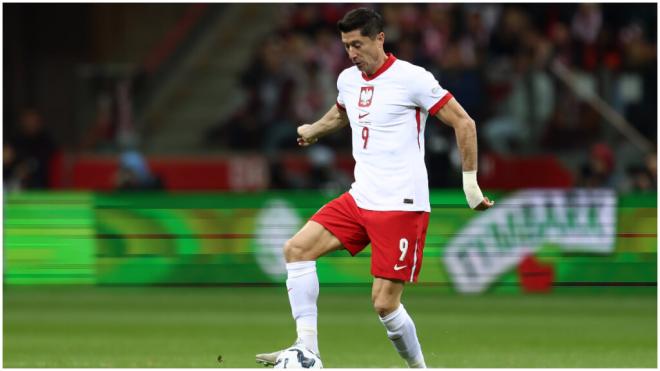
{"x":471,"y":188}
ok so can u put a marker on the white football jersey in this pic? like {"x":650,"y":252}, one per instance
{"x":388,"y":112}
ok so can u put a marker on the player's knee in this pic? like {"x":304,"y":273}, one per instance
{"x":384,"y":305}
{"x":294,"y":251}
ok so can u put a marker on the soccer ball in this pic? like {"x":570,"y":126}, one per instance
{"x":298,"y":356}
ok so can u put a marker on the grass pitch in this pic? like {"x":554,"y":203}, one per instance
{"x":185,"y":327}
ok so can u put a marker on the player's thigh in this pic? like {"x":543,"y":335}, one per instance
{"x":311,"y":242}
{"x":397,"y":243}
{"x":386,"y":295}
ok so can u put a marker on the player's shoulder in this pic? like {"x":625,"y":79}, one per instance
{"x":348,"y":73}
{"x":409,"y":69}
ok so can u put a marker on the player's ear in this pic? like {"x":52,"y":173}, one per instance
{"x":381,"y":37}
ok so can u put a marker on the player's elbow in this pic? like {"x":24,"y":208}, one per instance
{"x":462,"y":123}
{"x":465,"y":126}
{"x":468,"y":124}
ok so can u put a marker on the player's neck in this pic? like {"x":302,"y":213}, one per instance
{"x":382,"y":58}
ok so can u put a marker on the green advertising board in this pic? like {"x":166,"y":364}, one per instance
{"x":49,"y":238}
{"x":577,"y":237}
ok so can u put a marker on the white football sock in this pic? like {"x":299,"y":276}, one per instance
{"x":303,"y":286}
{"x":401,"y":331}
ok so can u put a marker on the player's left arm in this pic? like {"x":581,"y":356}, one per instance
{"x":453,"y":114}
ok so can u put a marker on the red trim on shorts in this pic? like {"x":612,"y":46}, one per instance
{"x":388,"y":63}
{"x":436,"y":107}
{"x":340,"y":106}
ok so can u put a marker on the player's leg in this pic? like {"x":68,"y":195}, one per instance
{"x":386,"y":297}
{"x":335,"y":226}
{"x":310,"y":243}
{"x":397,"y":246}
{"x":301,"y":252}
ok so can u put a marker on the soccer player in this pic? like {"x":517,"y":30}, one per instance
{"x":386,"y":102}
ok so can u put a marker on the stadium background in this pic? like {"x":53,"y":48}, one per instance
{"x":151,"y":176}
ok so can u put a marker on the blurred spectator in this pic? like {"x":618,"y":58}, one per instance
{"x":652,"y":167}
{"x":279,"y":179}
{"x":599,"y":171}
{"x":314,"y":94}
{"x":134,"y":173}
{"x":587,"y":22}
{"x":28,"y":153}
{"x":441,"y":152}
{"x":506,"y":41}
{"x":266,"y":113}
{"x":13,"y":172}
{"x":505,"y":134}
{"x":330,"y":53}
{"x":585,"y":28}
{"x":324,"y":174}
{"x":643,"y":178}
{"x":100,"y":134}
{"x":102,"y":131}
{"x":640,"y":59}
{"x":640,"y":180}
{"x":560,"y":38}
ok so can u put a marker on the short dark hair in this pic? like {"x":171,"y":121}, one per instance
{"x":366,"y":20}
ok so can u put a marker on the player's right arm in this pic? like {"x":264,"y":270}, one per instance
{"x":333,"y":120}
{"x":427,"y":92}
{"x":455,"y":116}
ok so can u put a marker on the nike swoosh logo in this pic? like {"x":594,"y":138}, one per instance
{"x":361,"y":116}
{"x":397,"y":268}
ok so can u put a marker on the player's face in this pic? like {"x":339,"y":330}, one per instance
{"x":363,"y":51}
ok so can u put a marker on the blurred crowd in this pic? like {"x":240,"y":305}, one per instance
{"x":496,"y":59}
{"x":27,"y":152}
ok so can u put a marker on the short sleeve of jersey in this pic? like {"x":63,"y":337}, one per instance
{"x":340,"y":101}
{"x":427,"y":93}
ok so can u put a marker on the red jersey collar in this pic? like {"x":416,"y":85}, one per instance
{"x":388,"y":62}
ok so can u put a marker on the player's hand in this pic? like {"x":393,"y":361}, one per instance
{"x":305,"y":135}
{"x":475,"y":199}
{"x":485,"y":204}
